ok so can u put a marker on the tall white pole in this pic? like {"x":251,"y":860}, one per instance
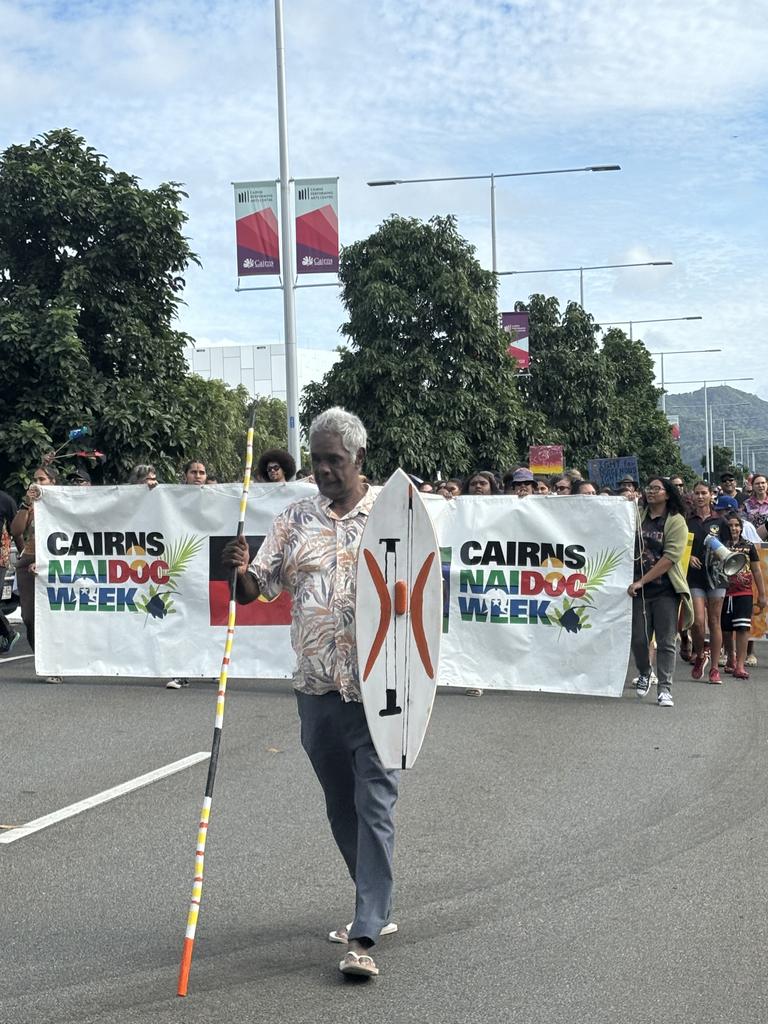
{"x":663,"y":392}
{"x":494,"y":264}
{"x":289,"y":256}
{"x":581,"y":287}
{"x":712,"y":440}
{"x":707,"y":437}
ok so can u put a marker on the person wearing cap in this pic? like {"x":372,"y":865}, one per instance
{"x":518,"y":482}
{"x":629,"y":488}
{"x":728,"y":487}
{"x":724,"y":506}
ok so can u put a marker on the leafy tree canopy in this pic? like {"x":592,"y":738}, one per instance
{"x":426,"y":368}
{"x":91,"y":276}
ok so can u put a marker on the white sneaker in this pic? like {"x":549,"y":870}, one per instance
{"x":176,"y":684}
{"x":751,"y":661}
{"x":54,"y":679}
{"x":642,"y":684}
{"x":664,"y":699}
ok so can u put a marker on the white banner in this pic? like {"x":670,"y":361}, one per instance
{"x":129,"y":584}
{"x":535,"y":592}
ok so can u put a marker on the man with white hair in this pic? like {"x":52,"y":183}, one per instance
{"x":311,"y":551}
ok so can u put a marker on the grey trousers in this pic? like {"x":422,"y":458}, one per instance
{"x":360,"y":798}
{"x":655,"y":615}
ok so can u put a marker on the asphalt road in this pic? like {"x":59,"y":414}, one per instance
{"x":559,"y":859}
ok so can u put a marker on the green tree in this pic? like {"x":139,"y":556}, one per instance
{"x":721,"y":462}
{"x":635,"y":423}
{"x":426,"y":368}
{"x":569,"y":386}
{"x":91,"y":276}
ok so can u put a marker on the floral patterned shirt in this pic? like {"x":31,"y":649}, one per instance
{"x":312,"y":553}
{"x":756,"y":511}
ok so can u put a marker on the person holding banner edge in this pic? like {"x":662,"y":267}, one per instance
{"x":659,"y":587}
{"x":311,"y":551}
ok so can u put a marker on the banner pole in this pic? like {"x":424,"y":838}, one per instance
{"x":205,"y":813}
{"x":289,"y":257}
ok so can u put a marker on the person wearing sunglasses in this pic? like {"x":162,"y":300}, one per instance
{"x":659,"y":588}
{"x":276,"y":466}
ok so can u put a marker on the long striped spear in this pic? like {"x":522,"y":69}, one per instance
{"x":205,"y":813}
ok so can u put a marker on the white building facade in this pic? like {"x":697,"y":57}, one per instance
{"x":259,"y":368}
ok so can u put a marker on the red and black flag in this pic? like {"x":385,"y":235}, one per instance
{"x":260,"y":612}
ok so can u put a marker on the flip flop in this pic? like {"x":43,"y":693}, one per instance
{"x":342,"y":934}
{"x":358,"y":963}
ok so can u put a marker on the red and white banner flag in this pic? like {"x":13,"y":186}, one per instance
{"x":516,"y":325}
{"x":258,"y":246}
{"x":317,"y":226}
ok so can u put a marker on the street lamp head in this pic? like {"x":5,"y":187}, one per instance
{"x":605,"y":167}
{"x":374,"y":184}
{"x":665,"y":263}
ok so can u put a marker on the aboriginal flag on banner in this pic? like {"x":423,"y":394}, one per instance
{"x":260,"y":612}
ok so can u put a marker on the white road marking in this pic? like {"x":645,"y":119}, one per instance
{"x":16,"y":657}
{"x":100,"y":798}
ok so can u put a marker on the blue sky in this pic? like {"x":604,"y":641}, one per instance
{"x":673,"y":90}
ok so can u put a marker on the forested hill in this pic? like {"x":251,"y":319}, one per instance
{"x":744,"y":413}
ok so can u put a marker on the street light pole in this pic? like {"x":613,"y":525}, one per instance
{"x":289,"y":295}
{"x":722,"y":380}
{"x":494,"y":265}
{"x":572,"y":270}
{"x":492,"y":178}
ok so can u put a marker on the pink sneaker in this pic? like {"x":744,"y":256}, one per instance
{"x":700,"y":663}
{"x":714,"y":675}
{"x":740,"y":673}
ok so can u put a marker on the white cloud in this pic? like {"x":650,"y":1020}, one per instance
{"x":673,"y":92}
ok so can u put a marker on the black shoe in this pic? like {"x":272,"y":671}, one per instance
{"x":7,"y":643}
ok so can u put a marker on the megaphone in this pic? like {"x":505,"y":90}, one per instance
{"x":722,"y":560}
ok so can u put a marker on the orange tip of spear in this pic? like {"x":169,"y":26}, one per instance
{"x":186,"y":963}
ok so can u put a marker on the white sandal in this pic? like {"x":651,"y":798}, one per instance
{"x":358,"y":963}
{"x":342,"y":934}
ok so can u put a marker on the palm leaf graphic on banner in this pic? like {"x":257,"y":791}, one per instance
{"x":159,"y":602}
{"x":574,"y":617}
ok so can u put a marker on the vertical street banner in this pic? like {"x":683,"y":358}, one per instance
{"x":516,"y":326}
{"x":258,"y":246}
{"x":674,"y":426}
{"x":546,"y":458}
{"x":317,"y":225}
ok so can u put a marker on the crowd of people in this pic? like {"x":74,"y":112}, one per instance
{"x":684,"y":585}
